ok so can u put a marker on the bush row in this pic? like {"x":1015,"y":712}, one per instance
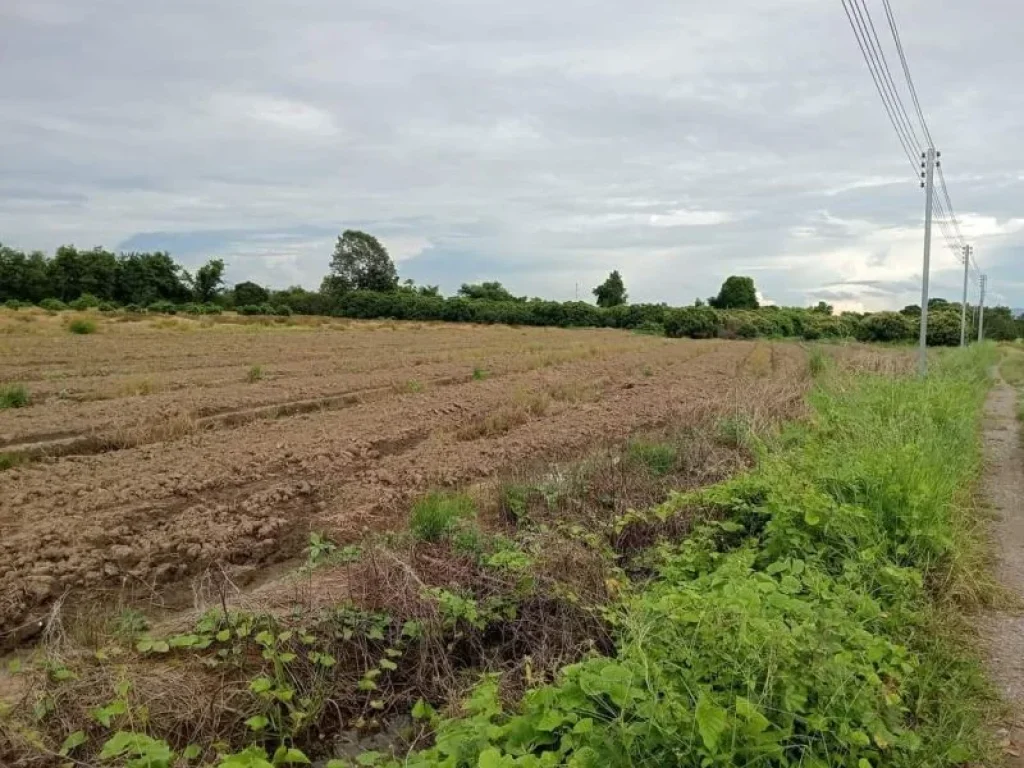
{"x":687,"y":322}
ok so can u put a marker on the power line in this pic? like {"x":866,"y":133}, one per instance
{"x":876,"y":44}
{"x":908,"y":146}
{"x":906,"y":71}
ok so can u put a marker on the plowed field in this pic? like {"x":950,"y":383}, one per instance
{"x":146,"y":454}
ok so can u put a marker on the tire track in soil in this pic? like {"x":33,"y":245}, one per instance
{"x":1003,"y":489}
{"x":262,"y":520}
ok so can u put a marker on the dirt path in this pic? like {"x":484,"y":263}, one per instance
{"x":1003,"y":489}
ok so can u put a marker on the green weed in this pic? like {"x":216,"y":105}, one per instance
{"x":254,"y":374}
{"x":10,"y":460}
{"x":479,"y":374}
{"x":801,"y":628}
{"x":657,"y":458}
{"x":130,"y":623}
{"x":13,"y":396}
{"x":436,"y":515}
{"x":734,"y":431}
{"x":82,"y":326}
{"x":817,"y":362}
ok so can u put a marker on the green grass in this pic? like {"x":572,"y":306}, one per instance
{"x":10,"y":460}
{"x":254,"y":374}
{"x":437,"y":514}
{"x":13,"y":396}
{"x":816,"y":622}
{"x":817,"y":362}
{"x":656,"y":458}
{"x":479,"y":374}
{"x":82,"y":326}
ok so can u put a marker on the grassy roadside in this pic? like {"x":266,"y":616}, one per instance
{"x":812,"y":619}
{"x":810,"y":626}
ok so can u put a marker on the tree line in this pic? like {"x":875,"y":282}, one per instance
{"x":363,"y":282}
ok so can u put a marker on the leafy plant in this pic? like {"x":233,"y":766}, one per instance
{"x":435,"y":515}
{"x":479,"y":374}
{"x":254,"y":374}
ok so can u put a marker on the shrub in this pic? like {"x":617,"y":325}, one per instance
{"x":943,"y":329}
{"x":132,"y":308}
{"x":163,"y":308}
{"x":13,"y":396}
{"x":695,"y":322}
{"x":53,"y":305}
{"x":83,"y":302}
{"x":249,"y":309}
{"x":885,"y":326}
{"x":436,"y":514}
{"x":255,"y":374}
{"x":282,"y":310}
{"x":211,"y":309}
{"x":12,"y":304}
{"x":192,"y":308}
{"x":82,"y":326}
{"x":107,"y":306}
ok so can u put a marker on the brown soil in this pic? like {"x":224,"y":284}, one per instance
{"x":1003,"y":489}
{"x":349,"y":427}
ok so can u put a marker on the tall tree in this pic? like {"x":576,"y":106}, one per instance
{"x":208,"y":280}
{"x":360,"y":263}
{"x":612,"y":292}
{"x":736,"y":293}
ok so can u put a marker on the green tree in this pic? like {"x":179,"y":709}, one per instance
{"x":360,"y":263}
{"x":736,"y":293}
{"x":249,"y":294}
{"x":911,"y":310}
{"x":488,"y":291}
{"x":143,"y":278}
{"x":208,"y":280}
{"x":24,"y":278}
{"x":822,"y":308}
{"x":612,"y":292}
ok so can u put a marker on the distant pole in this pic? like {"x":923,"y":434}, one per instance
{"x":981,"y":309}
{"x":928,"y":184}
{"x":963,"y":303}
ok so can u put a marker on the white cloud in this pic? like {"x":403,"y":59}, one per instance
{"x":679,"y":144}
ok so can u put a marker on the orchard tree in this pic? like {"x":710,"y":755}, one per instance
{"x":736,"y":293}
{"x":208,"y":280}
{"x":612,"y":292}
{"x":360,"y":263}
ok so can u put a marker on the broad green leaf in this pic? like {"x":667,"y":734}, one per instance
{"x":257,"y":722}
{"x":73,"y":740}
{"x":710,"y":721}
{"x":489,"y":758}
{"x":290,"y":756}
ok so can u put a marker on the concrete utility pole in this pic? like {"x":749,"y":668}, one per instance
{"x":963,"y":304}
{"x":981,"y":309}
{"x":928,"y":184}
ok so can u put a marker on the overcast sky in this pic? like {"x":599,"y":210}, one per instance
{"x":538,"y":143}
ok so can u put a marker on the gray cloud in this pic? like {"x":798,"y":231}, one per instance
{"x":538,"y":143}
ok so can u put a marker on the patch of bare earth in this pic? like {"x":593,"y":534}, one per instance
{"x":134,"y":521}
